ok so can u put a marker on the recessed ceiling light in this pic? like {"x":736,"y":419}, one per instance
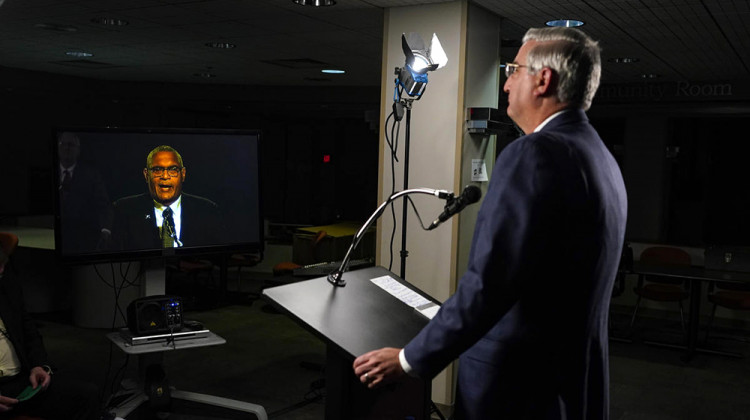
{"x":55,"y":27}
{"x":315,"y":2}
{"x":623,"y":60}
{"x":205,"y":75}
{"x":220,"y":45}
{"x":110,"y":21}
{"x":650,"y":76}
{"x":566,"y":23}
{"x":79,"y":54}
{"x":333,"y":71}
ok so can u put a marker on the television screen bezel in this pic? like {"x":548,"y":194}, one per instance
{"x":150,"y":254}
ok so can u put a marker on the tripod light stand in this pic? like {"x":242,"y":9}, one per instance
{"x":412,"y":81}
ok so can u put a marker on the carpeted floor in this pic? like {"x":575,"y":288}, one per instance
{"x":271,"y":361}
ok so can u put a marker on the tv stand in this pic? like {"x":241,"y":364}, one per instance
{"x":154,"y":277}
{"x":151,"y":354}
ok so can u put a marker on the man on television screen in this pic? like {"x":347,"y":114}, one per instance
{"x":165,"y":217}
{"x":85,"y":208}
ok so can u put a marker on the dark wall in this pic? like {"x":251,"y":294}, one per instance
{"x":300,"y":125}
{"x":708,"y":178}
{"x":682,"y":158}
{"x":686,"y":176}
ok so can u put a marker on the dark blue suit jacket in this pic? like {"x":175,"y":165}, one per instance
{"x":85,"y":210}
{"x":135,"y":227}
{"x":529,"y":318}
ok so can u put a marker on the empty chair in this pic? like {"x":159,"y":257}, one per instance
{"x":730,"y":295}
{"x":661,"y":288}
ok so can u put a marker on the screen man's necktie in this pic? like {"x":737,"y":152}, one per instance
{"x":65,"y":182}
{"x":167,"y":229}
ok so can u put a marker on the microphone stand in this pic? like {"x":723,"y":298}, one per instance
{"x":336,"y":277}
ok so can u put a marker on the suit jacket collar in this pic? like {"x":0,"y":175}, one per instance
{"x":571,"y":116}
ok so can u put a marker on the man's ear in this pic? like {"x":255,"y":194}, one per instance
{"x":145,"y":175}
{"x":184,"y":173}
{"x":546,"y":82}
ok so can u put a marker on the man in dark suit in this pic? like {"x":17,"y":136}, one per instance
{"x":528,"y":321}
{"x":24,"y":363}
{"x":86,"y":211}
{"x":165,"y":216}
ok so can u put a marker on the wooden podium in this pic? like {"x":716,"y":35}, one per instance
{"x":353,"y":320}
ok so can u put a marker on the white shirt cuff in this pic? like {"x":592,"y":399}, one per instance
{"x":404,"y":364}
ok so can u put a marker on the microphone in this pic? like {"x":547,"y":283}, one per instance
{"x":470,"y":195}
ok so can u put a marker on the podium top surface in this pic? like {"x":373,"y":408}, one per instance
{"x":356,"y":318}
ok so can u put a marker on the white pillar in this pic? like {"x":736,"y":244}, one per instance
{"x":440,"y":149}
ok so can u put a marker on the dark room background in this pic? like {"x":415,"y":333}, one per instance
{"x":319,"y":144}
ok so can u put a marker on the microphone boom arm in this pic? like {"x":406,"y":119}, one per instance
{"x":335,"y":277}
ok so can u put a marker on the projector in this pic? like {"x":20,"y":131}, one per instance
{"x":155,"y":315}
{"x":483,"y":120}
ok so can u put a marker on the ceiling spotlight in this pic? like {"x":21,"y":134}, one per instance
{"x":221,"y":45}
{"x":80,"y":54}
{"x":332,"y":71}
{"x":566,"y":23}
{"x":315,"y":3}
{"x":109,"y":21}
{"x":419,"y":60}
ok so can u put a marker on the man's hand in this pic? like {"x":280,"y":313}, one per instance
{"x":7,"y":403}
{"x":39,"y":376}
{"x":378,"y":367}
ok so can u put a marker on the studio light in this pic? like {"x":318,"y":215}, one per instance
{"x":411,"y":80}
{"x":420,"y":60}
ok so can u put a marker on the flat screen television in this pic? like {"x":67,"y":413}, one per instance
{"x":110,"y":206}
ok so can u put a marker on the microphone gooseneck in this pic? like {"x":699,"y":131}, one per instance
{"x":336,"y":277}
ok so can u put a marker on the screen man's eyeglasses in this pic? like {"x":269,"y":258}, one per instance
{"x":159,"y":170}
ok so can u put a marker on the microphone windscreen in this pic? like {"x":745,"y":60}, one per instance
{"x":472,"y":193}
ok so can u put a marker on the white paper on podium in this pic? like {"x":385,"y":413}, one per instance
{"x":429,"y":310}
{"x":423,"y":305}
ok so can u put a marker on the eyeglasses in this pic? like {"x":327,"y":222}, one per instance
{"x":159,"y":170}
{"x":511,"y":68}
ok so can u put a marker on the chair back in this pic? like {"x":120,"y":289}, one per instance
{"x":8,"y":242}
{"x":728,"y":285}
{"x":665,"y":255}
